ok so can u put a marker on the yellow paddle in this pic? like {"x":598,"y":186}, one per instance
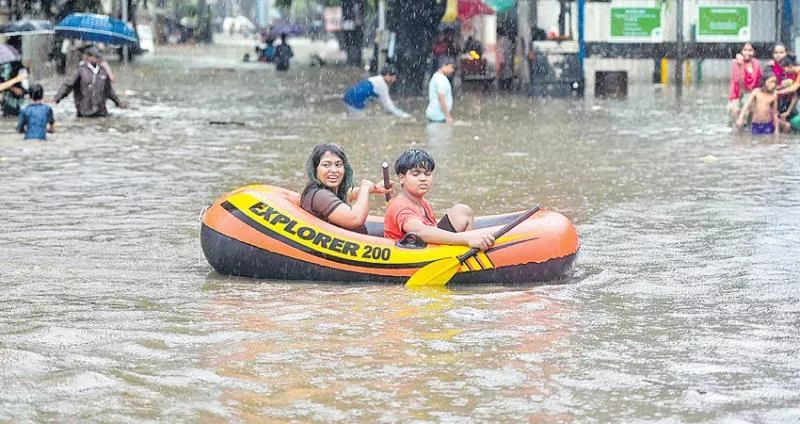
{"x":440,"y":272}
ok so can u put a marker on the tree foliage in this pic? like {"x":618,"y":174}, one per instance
{"x":52,"y":9}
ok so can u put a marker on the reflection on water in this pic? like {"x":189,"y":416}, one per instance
{"x":411,"y":355}
{"x":684,"y":306}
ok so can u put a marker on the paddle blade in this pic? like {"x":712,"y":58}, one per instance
{"x":435,"y":273}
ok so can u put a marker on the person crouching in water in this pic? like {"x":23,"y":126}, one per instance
{"x":267,"y":54}
{"x":358,"y":95}
{"x":763,"y":105}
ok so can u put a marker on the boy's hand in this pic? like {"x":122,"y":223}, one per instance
{"x":739,"y":123}
{"x":481,"y":241}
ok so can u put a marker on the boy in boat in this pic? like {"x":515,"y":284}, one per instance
{"x":409,"y":212}
{"x":763,"y":103}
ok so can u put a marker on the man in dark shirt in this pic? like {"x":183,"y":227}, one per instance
{"x":283,"y":52}
{"x":92,"y":86}
{"x":36,"y":120}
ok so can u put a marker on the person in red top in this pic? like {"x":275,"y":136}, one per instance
{"x":786,"y":103}
{"x":791,"y":67}
{"x":409,"y":212}
{"x":745,"y":77}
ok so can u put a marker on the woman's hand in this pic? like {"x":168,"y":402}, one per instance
{"x":374,"y":188}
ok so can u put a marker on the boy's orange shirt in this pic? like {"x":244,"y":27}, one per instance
{"x":399,"y":211}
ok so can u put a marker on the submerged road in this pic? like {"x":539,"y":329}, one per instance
{"x":684,"y":306}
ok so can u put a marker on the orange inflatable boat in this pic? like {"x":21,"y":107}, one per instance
{"x":261,"y":231}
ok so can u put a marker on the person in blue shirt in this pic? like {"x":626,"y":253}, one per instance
{"x":357,"y":96}
{"x":267,"y":54}
{"x":36,"y":120}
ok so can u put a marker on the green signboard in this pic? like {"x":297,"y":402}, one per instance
{"x":723,"y":23}
{"x":635,"y":24}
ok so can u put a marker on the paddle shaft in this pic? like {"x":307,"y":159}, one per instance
{"x":386,"y":182}
{"x":497,"y":234}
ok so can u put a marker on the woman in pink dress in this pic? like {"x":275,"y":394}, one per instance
{"x":778,"y":53}
{"x":745,"y":77}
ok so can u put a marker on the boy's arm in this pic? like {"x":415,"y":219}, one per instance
{"x":475,"y":238}
{"x":791,"y":107}
{"x":776,"y":121}
{"x":790,"y":89}
{"x":22,"y":121}
{"x":51,"y":121}
{"x":748,"y":105}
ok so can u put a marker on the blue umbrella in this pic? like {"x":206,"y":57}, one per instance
{"x":97,"y":29}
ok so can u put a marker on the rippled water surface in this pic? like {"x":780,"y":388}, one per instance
{"x":684,"y":305}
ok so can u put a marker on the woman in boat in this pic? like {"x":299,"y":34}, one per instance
{"x":330,"y":190}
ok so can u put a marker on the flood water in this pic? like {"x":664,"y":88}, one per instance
{"x":684,"y":306}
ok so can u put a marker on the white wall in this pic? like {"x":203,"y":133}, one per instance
{"x":762,"y":13}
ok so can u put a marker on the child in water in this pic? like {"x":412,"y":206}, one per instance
{"x":36,"y":120}
{"x":763,"y":104}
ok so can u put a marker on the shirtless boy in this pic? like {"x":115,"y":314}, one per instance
{"x":763,"y":104}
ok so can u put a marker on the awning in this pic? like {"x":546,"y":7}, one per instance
{"x":470,"y":8}
{"x":465,"y":9}
{"x":500,"y":6}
